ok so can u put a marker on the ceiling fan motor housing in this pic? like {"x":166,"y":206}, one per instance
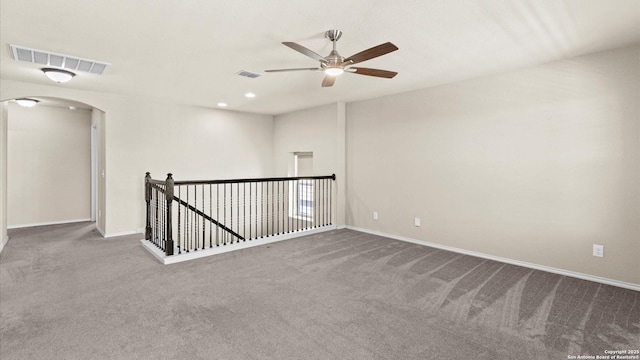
{"x":333,"y":35}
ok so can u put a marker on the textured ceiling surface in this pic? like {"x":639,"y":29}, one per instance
{"x":189,"y":52}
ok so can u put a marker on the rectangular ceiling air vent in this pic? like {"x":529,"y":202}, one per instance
{"x":248,"y":74}
{"x":48,"y":58}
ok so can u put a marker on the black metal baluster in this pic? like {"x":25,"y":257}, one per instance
{"x":210,"y":222}
{"x":152,"y":212}
{"x":309,"y":209}
{"x":231,"y":209}
{"x":217,"y":214}
{"x":250,"y":195}
{"x":238,"y":211}
{"x":191,"y":221}
{"x":267,"y":206}
{"x":224,"y":211}
{"x":196,"y":219}
{"x":188,"y":230}
{"x":155,"y":238}
{"x":162,"y":228}
{"x":277,"y":205}
{"x":315,"y":203}
{"x":179,"y":233}
{"x":185,"y":240}
{"x":244,"y":211}
{"x":204,"y":225}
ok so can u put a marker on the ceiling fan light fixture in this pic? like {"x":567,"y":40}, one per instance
{"x":58,"y":75}
{"x":333,"y":71}
{"x":25,"y":102}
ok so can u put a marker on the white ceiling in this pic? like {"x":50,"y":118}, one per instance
{"x":189,"y":51}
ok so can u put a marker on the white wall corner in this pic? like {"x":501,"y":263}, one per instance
{"x":3,"y":243}
{"x":100,"y":231}
{"x":341,"y":163}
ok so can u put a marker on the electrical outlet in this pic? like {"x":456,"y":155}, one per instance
{"x":598,"y":250}
{"x":416,"y":222}
{"x":375,"y":215}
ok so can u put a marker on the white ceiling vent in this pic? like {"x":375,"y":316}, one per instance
{"x":68,"y":62}
{"x":248,"y":74}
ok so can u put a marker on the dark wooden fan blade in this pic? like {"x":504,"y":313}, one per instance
{"x":303,"y":50}
{"x":374,"y":72}
{"x":295,"y":69}
{"x":328,"y":81}
{"x":371,"y":53}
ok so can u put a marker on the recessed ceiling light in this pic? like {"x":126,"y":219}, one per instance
{"x":71,"y":107}
{"x":27,"y":102}
{"x":250,"y":95}
{"x":221,"y":104}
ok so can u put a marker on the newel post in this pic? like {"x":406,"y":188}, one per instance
{"x":147,"y":198}
{"x":169,"y":197}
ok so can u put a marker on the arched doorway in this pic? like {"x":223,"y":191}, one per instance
{"x":50,"y":160}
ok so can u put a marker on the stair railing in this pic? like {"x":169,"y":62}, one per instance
{"x":214,"y":213}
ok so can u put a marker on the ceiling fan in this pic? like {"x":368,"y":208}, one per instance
{"x":334,"y":64}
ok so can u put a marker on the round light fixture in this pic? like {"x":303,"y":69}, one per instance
{"x":27,"y":102}
{"x":333,"y":71}
{"x":221,"y":104}
{"x":250,"y":95}
{"x":58,"y":75}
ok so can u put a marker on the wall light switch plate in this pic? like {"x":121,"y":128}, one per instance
{"x":375,"y":215}
{"x":416,"y":221}
{"x":598,"y":250}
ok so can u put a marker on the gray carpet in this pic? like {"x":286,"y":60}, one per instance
{"x":65,"y":293}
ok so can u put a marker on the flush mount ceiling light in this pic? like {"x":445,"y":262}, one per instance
{"x":221,"y":104}
{"x":58,"y":75}
{"x":250,"y":95}
{"x":27,"y":102}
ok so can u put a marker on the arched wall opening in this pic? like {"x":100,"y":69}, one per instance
{"x":51,"y":163}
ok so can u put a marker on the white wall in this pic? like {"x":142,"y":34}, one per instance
{"x":192,"y":143}
{"x":533,"y":165}
{"x":146,"y":135}
{"x":49,"y":165}
{"x":312,"y":130}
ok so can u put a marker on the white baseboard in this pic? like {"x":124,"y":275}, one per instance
{"x":124,"y":233}
{"x":166,"y":260}
{"x":3,"y":243}
{"x":573,"y":274}
{"x":48,"y":223}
